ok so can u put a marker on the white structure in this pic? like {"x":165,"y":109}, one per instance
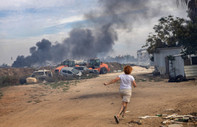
{"x":143,"y":57}
{"x":165,"y":66}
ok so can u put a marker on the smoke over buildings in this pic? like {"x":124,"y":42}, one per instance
{"x":84,"y":43}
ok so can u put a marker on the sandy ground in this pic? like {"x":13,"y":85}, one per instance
{"x":88,"y":103}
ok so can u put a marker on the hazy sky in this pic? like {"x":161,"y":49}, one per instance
{"x":25,"y":22}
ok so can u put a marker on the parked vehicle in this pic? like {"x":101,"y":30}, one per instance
{"x":58,"y":69}
{"x":42,"y":74}
{"x":83,"y":69}
{"x":86,"y":70}
{"x":94,"y":71}
{"x":70,"y":71}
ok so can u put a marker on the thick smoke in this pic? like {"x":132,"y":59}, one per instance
{"x":123,"y":13}
{"x":85,"y":43}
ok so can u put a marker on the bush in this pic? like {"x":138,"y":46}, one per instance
{"x":8,"y":81}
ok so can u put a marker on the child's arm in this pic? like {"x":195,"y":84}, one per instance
{"x":134,"y":84}
{"x":112,"y":81}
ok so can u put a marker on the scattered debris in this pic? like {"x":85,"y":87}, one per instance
{"x":144,"y":117}
{"x":182,"y":118}
{"x":159,"y":115}
{"x":168,"y":122}
{"x":170,"y":116}
{"x":173,"y":120}
{"x":136,"y":122}
{"x":176,"y":120}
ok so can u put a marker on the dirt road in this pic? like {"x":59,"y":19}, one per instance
{"x":88,"y":103}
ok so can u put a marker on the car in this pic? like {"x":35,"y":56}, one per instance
{"x":86,"y":70}
{"x":70,"y":72}
{"x":83,"y":69}
{"x":42,"y":74}
{"x":94,"y":71}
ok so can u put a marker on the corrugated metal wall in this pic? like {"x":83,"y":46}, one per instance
{"x":191,"y":70}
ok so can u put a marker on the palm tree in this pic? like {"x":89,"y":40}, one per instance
{"x":192,"y":8}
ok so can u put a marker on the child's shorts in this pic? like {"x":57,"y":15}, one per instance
{"x":125,"y":95}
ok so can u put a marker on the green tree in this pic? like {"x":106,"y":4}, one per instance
{"x":188,"y":38}
{"x":173,"y":32}
{"x":166,"y":33}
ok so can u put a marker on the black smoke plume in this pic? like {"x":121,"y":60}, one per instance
{"x":84,"y":43}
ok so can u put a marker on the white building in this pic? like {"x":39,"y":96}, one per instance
{"x":168,"y":61}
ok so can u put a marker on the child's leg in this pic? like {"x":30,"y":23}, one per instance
{"x":125,"y":108}
{"x":118,"y":115}
{"x":122,"y":109}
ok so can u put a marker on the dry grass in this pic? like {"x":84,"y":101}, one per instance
{"x":8,"y":81}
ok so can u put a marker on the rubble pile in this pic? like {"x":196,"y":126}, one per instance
{"x":179,"y":120}
{"x":173,"y":120}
